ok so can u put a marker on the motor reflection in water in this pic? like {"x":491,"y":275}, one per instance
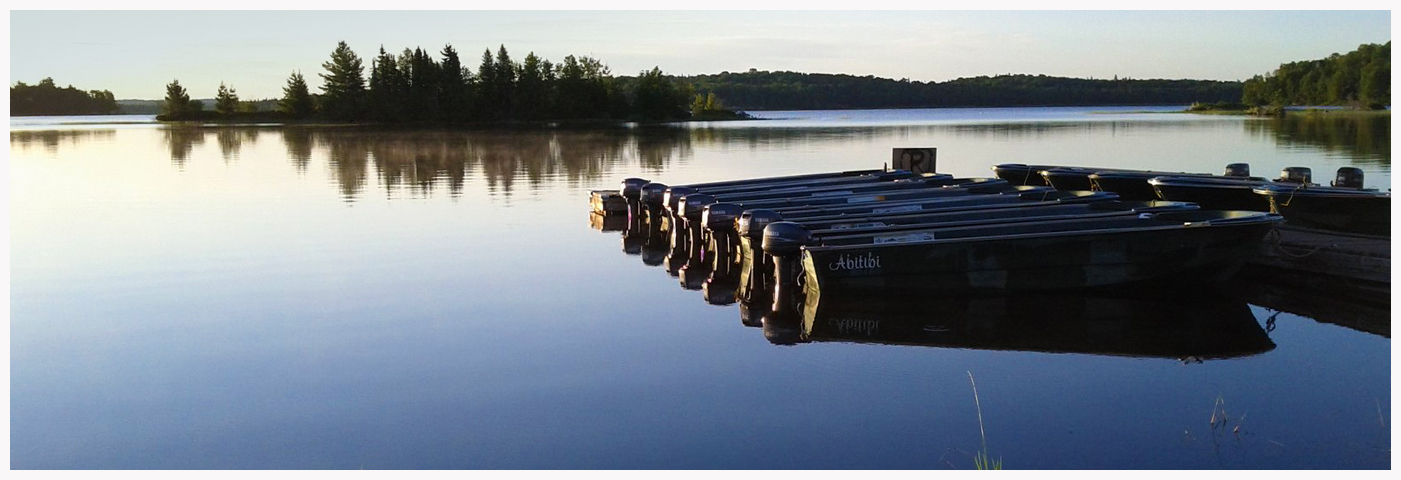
{"x":712,"y":261}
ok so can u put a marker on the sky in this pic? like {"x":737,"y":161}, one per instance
{"x":134,"y":54}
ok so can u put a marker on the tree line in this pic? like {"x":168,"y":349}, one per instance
{"x":47,"y":99}
{"x":1360,"y":78}
{"x":764,"y":90}
{"x":417,"y":86}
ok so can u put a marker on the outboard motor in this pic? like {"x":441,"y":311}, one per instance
{"x":651,"y":196}
{"x":783,"y":241}
{"x":1302,"y":175}
{"x":672,"y":197}
{"x":1238,"y":170}
{"x":655,"y":244}
{"x":751,"y":314}
{"x":696,"y":270}
{"x":786,"y":330}
{"x":755,"y":267}
{"x":718,"y":220}
{"x":691,"y":207}
{"x":632,"y":188}
{"x":635,"y":234}
{"x":1349,"y":177}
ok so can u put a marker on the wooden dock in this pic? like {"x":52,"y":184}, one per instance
{"x":1329,"y":256}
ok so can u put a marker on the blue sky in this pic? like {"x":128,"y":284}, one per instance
{"x":134,"y":54}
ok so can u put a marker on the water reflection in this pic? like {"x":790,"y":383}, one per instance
{"x":419,"y":162}
{"x":1365,"y":138}
{"x":1358,"y":305}
{"x":50,"y":140}
{"x":1195,"y":328}
{"x":181,"y":142}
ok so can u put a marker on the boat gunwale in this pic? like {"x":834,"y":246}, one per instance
{"x":1251,"y":219}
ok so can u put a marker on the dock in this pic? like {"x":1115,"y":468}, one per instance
{"x":1319,"y":256}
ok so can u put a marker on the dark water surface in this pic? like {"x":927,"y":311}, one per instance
{"x":343,"y":298}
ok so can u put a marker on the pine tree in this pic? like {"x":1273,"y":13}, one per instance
{"x":296,"y":100}
{"x":344,"y":87}
{"x":487,"y":91}
{"x":387,"y":87}
{"x":454,"y":84}
{"x":226,"y":102}
{"x":177,"y":100}
{"x":505,"y":84}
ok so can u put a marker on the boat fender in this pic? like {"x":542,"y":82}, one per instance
{"x":1349,"y":177}
{"x":652,"y":194}
{"x":751,"y":223}
{"x":1302,"y":175}
{"x":632,"y":188}
{"x":1238,"y":170}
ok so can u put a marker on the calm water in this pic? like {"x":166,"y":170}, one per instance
{"x":339,"y":298}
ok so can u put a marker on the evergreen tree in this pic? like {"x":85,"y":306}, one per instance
{"x":454,"y":84}
{"x":344,"y":87}
{"x":488,"y":93}
{"x":296,"y":100}
{"x":226,"y":102}
{"x":531,"y":88}
{"x":388,"y":88}
{"x":424,"y":76}
{"x":177,"y":101}
{"x":505,"y":84}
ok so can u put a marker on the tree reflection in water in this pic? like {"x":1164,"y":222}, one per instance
{"x":419,"y":162}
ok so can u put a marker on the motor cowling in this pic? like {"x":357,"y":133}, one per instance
{"x":632,"y":188}
{"x":1238,"y":170}
{"x":721,"y":216}
{"x":785,"y":238}
{"x":1348,"y":177}
{"x":694,"y":204}
{"x":672,"y":198}
{"x":651,"y":195}
{"x":751,"y":223}
{"x":1296,"y":175}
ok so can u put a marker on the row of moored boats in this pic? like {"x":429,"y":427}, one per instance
{"x":798,"y":239}
{"x":1343,"y":206}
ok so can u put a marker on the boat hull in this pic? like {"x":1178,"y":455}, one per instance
{"x":1027,"y":263}
{"x":1353,"y":212}
{"x":1212,"y":194}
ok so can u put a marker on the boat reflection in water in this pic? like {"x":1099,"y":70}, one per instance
{"x":1196,"y":328}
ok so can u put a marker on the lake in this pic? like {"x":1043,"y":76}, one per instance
{"x":343,"y":298}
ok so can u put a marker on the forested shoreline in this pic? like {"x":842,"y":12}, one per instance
{"x":1360,"y":78}
{"x":47,"y":99}
{"x":418,"y":86}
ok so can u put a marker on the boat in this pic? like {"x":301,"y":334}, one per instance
{"x":1230,"y":192}
{"x":1129,"y":184}
{"x":1342,"y":209}
{"x":1195,"y":245}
